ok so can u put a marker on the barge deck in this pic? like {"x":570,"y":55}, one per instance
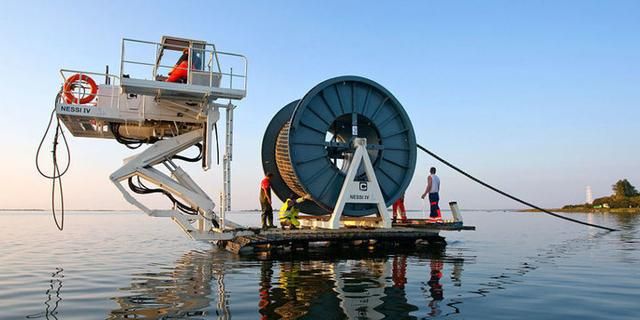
{"x":401,"y":233}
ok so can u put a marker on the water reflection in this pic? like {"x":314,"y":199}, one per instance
{"x":551,"y":270}
{"x":323,"y":284}
{"x":53,"y":297}
{"x":371,"y":288}
{"x":628,"y":223}
{"x":395,"y":304}
{"x":288,"y":289}
{"x":183,"y":292}
{"x":435,"y":288}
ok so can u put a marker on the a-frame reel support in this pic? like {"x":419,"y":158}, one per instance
{"x":364,"y":192}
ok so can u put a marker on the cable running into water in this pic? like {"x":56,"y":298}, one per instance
{"x":57,"y":174}
{"x":508,"y":195}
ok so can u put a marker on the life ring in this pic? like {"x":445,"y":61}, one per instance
{"x":72,"y":82}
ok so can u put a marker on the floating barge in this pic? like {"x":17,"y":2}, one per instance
{"x":406,"y":234}
{"x":346,"y":149}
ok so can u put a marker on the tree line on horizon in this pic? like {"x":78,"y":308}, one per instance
{"x":625,"y":195}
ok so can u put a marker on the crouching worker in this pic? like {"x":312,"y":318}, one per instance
{"x":289,"y":212}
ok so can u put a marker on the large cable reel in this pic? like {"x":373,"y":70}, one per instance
{"x":308,"y":144}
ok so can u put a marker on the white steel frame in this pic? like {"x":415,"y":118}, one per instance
{"x":143,"y":165}
{"x":351,"y":192}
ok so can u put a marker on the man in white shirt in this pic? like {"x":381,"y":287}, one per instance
{"x":433,"y":189}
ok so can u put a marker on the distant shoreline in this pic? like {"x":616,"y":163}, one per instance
{"x":571,"y":210}
{"x":249,"y":210}
{"x":589,"y":210}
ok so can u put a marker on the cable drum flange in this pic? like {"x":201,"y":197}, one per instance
{"x":313,"y":148}
{"x":283,"y":161}
{"x":270,"y":163}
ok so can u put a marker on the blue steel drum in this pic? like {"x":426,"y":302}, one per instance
{"x":308,"y":144}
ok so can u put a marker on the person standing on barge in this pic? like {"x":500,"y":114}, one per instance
{"x":433,"y":190}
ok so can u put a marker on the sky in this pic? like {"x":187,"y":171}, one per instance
{"x":539,"y":98}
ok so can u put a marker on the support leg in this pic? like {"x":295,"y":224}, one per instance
{"x":180,"y":185}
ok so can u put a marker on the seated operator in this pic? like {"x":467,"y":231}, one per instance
{"x":289,"y":212}
{"x":179,"y":72}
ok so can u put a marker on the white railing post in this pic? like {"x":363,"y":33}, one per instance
{"x":228,"y":157}
{"x":122,"y":59}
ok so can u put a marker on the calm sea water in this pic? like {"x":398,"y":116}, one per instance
{"x":127,"y":265}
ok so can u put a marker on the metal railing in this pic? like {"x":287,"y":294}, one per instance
{"x":212,"y":68}
{"x":77,"y":92}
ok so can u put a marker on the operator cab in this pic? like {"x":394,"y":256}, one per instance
{"x":145,"y":67}
{"x":139,"y":102}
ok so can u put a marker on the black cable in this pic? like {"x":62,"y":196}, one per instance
{"x":57,"y":174}
{"x":55,"y":143}
{"x":508,"y":195}
{"x":131,"y":143}
{"x":215,"y":129}
{"x":142,"y":189}
{"x":127,"y":142}
{"x":194,"y":159}
{"x":179,"y":205}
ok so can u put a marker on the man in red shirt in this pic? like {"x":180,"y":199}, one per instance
{"x":265,"y":202}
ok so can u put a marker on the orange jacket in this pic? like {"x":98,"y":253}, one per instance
{"x":179,"y":72}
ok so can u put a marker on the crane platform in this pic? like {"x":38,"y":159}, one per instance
{"x":179,"y":91}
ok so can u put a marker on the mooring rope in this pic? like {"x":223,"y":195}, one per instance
{"x":508,"y":195}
